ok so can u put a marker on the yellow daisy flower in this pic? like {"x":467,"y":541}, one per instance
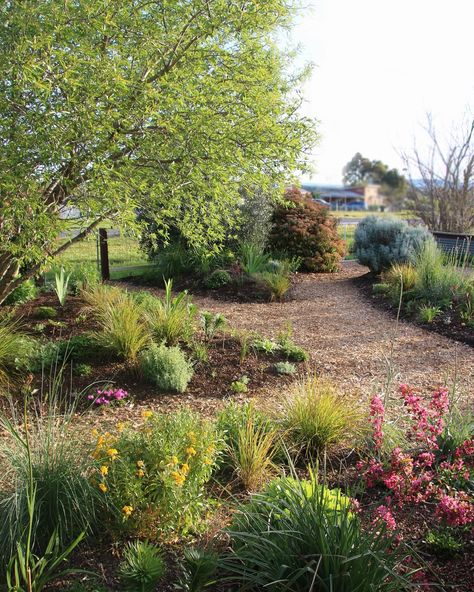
{"x":103,"y":487}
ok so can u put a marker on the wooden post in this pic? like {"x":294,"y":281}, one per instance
{"x":104,"y":254}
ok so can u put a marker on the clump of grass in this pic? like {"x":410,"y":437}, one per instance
{"x":318,"y":417}
{"x":428,"y":314}
{"x":142,"y":567}
{"x":276,"y":282}
{"x":15,"y":350}
{"x":171,"y":319}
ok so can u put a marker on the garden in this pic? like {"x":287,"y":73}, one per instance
{"x":249,"y":403}
{"x":149,"y":444}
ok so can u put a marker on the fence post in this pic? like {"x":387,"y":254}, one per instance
{"x":104,"y":254}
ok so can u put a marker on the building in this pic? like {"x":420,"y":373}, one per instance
{"x":368,"y":196}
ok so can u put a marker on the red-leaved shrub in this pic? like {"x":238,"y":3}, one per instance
{"x":305,"y":229}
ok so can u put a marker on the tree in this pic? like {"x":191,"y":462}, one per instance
{"x":442,"y":180}
{"x":168,"y":107}
{"x":360,"y":171}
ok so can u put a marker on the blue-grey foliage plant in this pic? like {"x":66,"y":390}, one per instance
{"x":381,"y":242}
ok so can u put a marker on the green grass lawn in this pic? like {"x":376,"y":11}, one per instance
{"x":405,"y":214}
{"x":346,"y":232}
{"x":123,"y":251}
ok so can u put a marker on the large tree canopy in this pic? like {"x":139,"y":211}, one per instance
{"x":360,"y":170}
{"x":173,"y":106}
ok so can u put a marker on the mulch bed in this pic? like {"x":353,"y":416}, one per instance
{"x":447,"y":323}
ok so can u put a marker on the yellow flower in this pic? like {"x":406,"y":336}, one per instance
{"x":95,"y":432}
{"x":120,"y":426}
{"x":207,"y":461}
{"x":140,"y":464}
{"x":103,"y":487}
{"x":113,"y":453}
{"x":147,"y":414}
{"x":192,"y":437}
{"x":191,"y":451}
{"x":140,"y":473}
{"x":178,"y":478}
{"x":127,"y":510}
{"x":104,"y":470}
{"x":185,"y":469}
{"x":210,"y":449}
{"x":100,"y":441}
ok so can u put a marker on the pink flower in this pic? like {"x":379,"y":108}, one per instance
{"x":377,"y":412}
{"x":384,"y":513}
{"x":455,"y":511}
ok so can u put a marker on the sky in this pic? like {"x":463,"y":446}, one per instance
{"x":379,"y":67}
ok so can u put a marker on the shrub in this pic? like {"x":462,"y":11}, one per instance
{"x":142,"y":567}
{"x":24,"y":292}
{"x":381,"y":242}
{"x":306,"y":230}
{"x":277,"y":283}
{"x":217,"y":279}
{"x":285,"y":368}
{"x":66,"y":502}
{"x":82,"y":370}
{"x":299,"y":535}
{"x":46,"y":312}
{"x":403,"y":274}
{"x":240,"y":385}
{"x":15,"y":350}
{"x":171,"y":319}
{"x":198,"y":569}
{"x":79,"y":348}
{"x":167,"y":367}
{"x":294,"y":352}
{"x":154,"y":475}
{"x":317,"y":416}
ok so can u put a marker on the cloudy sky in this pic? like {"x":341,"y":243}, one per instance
{"x":379,"y":67}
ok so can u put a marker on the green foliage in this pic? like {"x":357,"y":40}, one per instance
{"x":123,"y":331}
{"x":298,"y":536}
{"x":359,"y":171}
{"x":294,"y":352}
{"x":142,"y":567}
{"x":444,"y":542}
{"x":212,"y":323}
{"x":458,"y":427}
{"x":82,"y":370}
{"x":166,"y":367}
{"x":224,"y":66}
{"x":79,"y":348}
{"x":240,"y":385}
{"x":82,"y":276}
{"x":317,"y":416}
{"x":381,"y":242}
{"x":61,"y":281}
{"x":15,"y":350}
{"x":428,"y":314}
{"x":276,"y":282}
{"x":253,"y":259}
{"x":198,"y":569}
{"x":217,"y":279}
{"x":171,"y":319}
{"x":381,"y":288}
{"x":265,"y":346}
{"x":303,"y":229}
{"x":55,"y":470}
{"x":285,"y":368}
{"x":46,"y":312}
{"x":23,"y":293}
{"x":156,"y":473}
{"x":200,"y":351}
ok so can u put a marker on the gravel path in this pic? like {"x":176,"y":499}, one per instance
{"x":356,"y":344}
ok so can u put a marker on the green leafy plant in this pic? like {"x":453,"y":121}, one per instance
{"x":285,"y":368}
{"x":46,"y":312}
{"x":317,"y":416}
{"x":294,"y":352}
{"x":240,"y":385}
{"x":276,"y":282}
{"x":142,"y":567}
{"x":265,"y":346}
{"x":153,"y":475}
{"x":298,"y":535}
{"x":200,"y":351}
{"x":23,"y":293}
{"x":217,"y":279}
{"x":198,"y":569}
{"x":253,"y":259}
{"x":212,"y":323}
{"x":61,"y":281}
{"x":427,"y":314}
{"x":15,"y":350}
{"x":167,"y":367}
{"x":444,"y":542}
{"x":171,"y":319}
{"x":82,"y":370}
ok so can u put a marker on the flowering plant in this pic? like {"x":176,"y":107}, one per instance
{"x":107,"y":396}
{"x":154,"y":474}
{"x":422,"y":474}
